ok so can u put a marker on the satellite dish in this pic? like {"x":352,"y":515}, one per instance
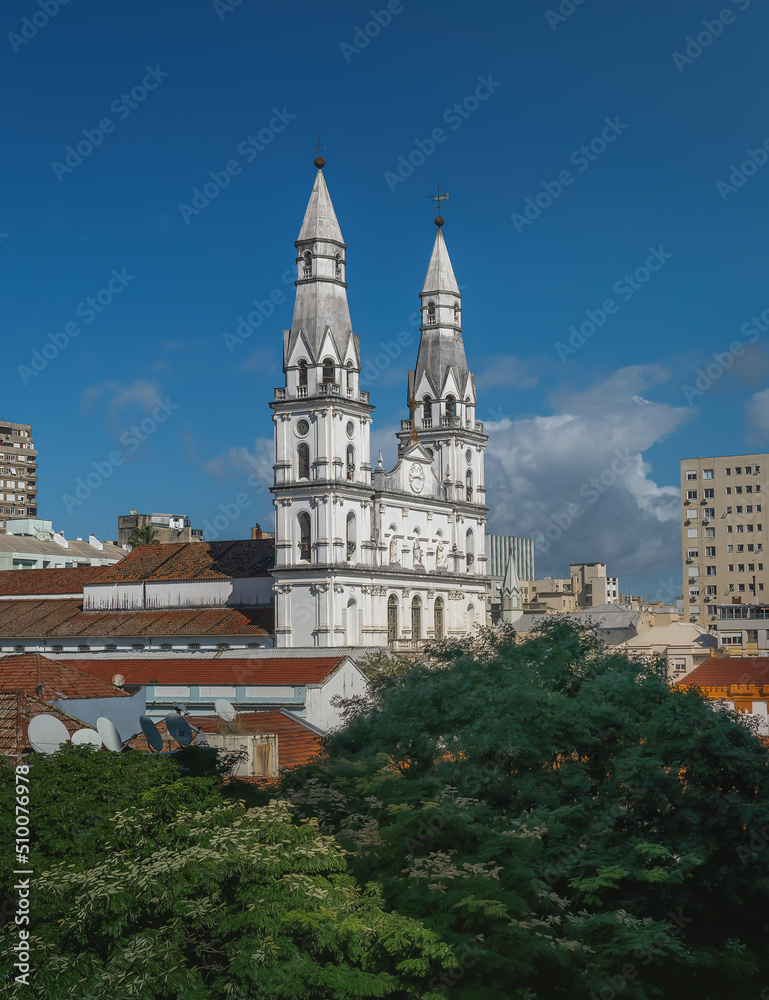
{"x":110,"y":737}
{"x":150,"y":730}
{"x":181,"y":709}
{"x":46,"y":733}
{"x":179,"y":729}
{"x":224,"y":709}
{"x":83,"y":736}
{"x":118,"y":679}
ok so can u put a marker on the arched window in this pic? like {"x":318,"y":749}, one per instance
{"x":416,"y":618}
{"x":469,"y":549}
{"x":430,"y":313}
{"x":438,"y":616}
{"x":470,"y":617}
{"x":392,"y":618}
{"x":451,"y":407}
{"x":305,"y":538}
{"x":307,"y":269}
{"x":456,"y":314}
{"x":350,"y":463}
{"x":469,"y":485}
{"x":302,"y":372}
{"x":328,"y":370}
{"x":303,"y":461}
{"x":349,"y":377}
{"x":351,"y":540}
{"x":427,"y":411}
{"x":351,"y":623}
{"x":338,"y":267}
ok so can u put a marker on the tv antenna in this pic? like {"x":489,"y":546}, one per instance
{"x":226,"y":711}
{"x":46,"y":733}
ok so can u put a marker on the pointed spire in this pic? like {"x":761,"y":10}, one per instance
{"x":320,"y":222}
{"x":440,"y":273}
{"x":511,"y":592}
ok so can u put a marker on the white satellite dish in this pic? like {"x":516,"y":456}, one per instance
{"x":83,"y":736}
{"x":179,"y":729}
{"x":118,"y":679}
{"x":225,"y":709}
{"x":150,"y":730}
{"x":110,"y":737}
{"x":46,"y":733}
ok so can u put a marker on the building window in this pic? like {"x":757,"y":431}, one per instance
{"x":691,"y":494}
{"x":469,"y":486}
{"x":304,"y":536}
{"x":456,"y":314}
{"x":710,"y":552}
{"x":430,"y":313}
{"x":163,"y":645}
{"x":691,"y":476}
{"x":338,"y":267}
{"x":751,"y":635}
{"x":307,"y":268}
{"x":303,"y":372}
{"x":710,"y":571}
{"x":707,"y":473}
{"x":84,"y":649}
{"x":349,"y":377}
{"x":451,"y":407}
{"x":193,"y":645}
{"x":728,"y":491}
{"x":738,"y":470}
{"x":58,"y":649}
{"x":738,"y":489}
{"x":139,"y":646}
{"x":303,"y":461}
{"x":350,"y":536}
{"x":710,"y":532}
{"x":712,"y":591}
{"x":438,"y":615}
{"x":350,"y":463}
{"x":392,"y":618}
{"x":709,"y":512}
{"x":709,"y":494}
{"x":328,"y":370}
{"x":469,"y":549}
{"x":427,"y":411}
{"x":416,"y":618}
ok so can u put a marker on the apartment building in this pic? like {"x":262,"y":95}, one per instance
{"x":18,"y":472}
{"x":166,"y":527}
{"x":592,"y":586}
{"x":722,"y":532}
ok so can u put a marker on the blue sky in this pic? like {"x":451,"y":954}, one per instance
{"x":661,"y":132}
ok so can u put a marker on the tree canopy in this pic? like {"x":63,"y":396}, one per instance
{"x":565,"y":821}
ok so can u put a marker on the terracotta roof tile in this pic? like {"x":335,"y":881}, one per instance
{"x":52,"y":618}
{"x":23,"y":582}
{"x":16,"y":709}
{"x":725,"y":671}
{"x":188,"y":670}
{"x":47,"y":678}
{"x":195,"y":561}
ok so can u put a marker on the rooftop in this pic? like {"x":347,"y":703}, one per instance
{"x":723,"y":672}
{"x":195,"y":561}
{"x":28,"y":582}
{"x":16,"y":709}
{"x":44,"y":677}
{"x":192,"y":670}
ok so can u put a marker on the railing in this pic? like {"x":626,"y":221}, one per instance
{"x":405,"y":425}
{"x":363,"y":396}
{"x":302,"y":391}
{"x":280,"y":394}
{"x":329,"y":388}
{"x":427,"y":423}
{"x":349,"y":393}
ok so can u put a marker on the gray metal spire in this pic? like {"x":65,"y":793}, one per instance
{"x":321,"y":305}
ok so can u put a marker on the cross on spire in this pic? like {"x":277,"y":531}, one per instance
{"x":439,"y":200}
{"x":412,"y":405}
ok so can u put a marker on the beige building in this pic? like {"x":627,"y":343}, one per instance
{"x":592,"y":586}
{"x":683,"y":644}
{"x":167,"y":527}
{"x":18,"y":472}
{"x":549,"y":594}
{"x":722,"y":533}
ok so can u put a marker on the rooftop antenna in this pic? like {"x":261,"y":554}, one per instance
{"x":439,"y":200}
{"x":46,"y":733}
{"x":110,"y":737}
{"x":85,"y":736}
{"x":226,"y":711}
{"x":179,"y":729}
{"x":151,"y":733}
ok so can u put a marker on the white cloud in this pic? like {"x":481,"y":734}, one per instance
{"x":140,"y":396}
{"x":238,"y":462}
{"x":506,"y":371}
{"x":758,"y":411}
{"x":577,"y":482}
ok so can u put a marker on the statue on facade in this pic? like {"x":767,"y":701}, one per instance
{"x":393,"y":550}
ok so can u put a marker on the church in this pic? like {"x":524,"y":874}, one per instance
{"x":365,"y":556}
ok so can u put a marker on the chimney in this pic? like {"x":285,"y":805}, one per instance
{"x":256,"y":531}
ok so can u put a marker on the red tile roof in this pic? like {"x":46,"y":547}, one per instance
{"x":725,"y":671}
{"x":52,"y":618}
{"x":16,"y":709}
{"x":23,"y":582}
{"x":195,"y":561}
{"x":43,"y":677}
{"x":189,"y":670}
{"x":298,"y":741}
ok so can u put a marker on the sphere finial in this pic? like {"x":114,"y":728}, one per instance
{"x":319,"y":162}
{"x":439,"y":220}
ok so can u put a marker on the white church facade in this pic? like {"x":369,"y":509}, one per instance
{"x":366,"y":556}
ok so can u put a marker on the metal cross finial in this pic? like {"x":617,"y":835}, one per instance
{"x":319,"y":146}
{"x":412,"y":405}
{"x":438,"y":198}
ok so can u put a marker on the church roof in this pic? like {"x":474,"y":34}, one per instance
{"x":440,"y":273}
{"x":320,"y":220}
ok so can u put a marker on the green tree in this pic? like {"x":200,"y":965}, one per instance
{"x":145,"y":535}
{"x":566,"y":822}
{"x":151,"y":883}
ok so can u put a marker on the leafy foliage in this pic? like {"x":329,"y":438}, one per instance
{"x":560,"y":816}
{"x":144,"y":535}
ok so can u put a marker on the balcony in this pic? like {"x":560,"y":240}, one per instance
{"x":405,"y":425}
{"x":363,"y":396}
{"x":280,"y":394}
{"x":329,"y":389}
{"x":427,"y":423}
{"x":302,"y":391}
